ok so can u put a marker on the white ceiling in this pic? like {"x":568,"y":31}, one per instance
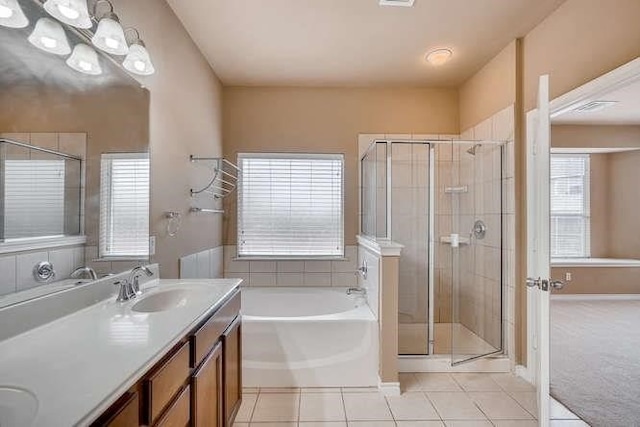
{"x":625,"y":112}
{"x":353,"y":42}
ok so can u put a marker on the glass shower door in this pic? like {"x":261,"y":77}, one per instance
{"x":476,"y":252}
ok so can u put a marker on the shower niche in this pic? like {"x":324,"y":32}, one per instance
{"x":443,"y":201}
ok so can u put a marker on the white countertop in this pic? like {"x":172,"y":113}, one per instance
{"x":78,"y":365}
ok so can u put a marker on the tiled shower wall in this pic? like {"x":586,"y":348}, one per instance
{"x":480,"y":312}
{"x":340,"y":273}
{"x":16,"y":268}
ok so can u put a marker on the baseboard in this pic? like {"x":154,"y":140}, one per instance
{"x":389,"y":388}
{"x":595,"y":297}
{"x":525,"y":373}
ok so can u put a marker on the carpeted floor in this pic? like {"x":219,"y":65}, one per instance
{"x":595,"y":360}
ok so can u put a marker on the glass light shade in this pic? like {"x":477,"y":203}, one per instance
{"x":439,"y":56}
{"x":72,"y":12}
{"x":85,"y":60}
{"x":138,"y":61}
{"x":49,"y":36}
{"x":11,"y":14}
{"x":110,"y":37}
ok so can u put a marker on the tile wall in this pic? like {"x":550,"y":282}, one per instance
{"x":293,"y":273}
{"x":207,"y":264}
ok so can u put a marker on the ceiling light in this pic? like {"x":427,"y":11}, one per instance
{"x":110,"y":36}
{"x":138,"y":60}
{"x":72,"y":12}
{"x":85,"y":60}
{"x":594,"y":106}
{"x":11,"y":14}
{"x":439,"y":56}
{"x":49,"y":36}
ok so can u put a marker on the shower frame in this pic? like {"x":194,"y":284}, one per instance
{"x":432,"y":143}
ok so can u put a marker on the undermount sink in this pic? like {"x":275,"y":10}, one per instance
{"x":163,"y":300}
{"x":18,"y":407}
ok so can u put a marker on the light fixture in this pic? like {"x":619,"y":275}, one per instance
{"x":85,"y":60}
{"x":439,"y":57}
{"x":11,"y":14}
{"x":49,"y":36}
{"x":138,"y":60}
{"x":110,"y":36}
{"x":72,"y":12}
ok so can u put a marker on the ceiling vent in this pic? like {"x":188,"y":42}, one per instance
{"x":403,"y":3}
{"x":594,"y":106}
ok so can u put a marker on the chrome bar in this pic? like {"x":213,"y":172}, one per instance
{"x":198,"y":210}
{"x":44,"y":150}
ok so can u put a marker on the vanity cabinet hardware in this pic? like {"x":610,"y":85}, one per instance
{"x":165,"y":382}
{"x":232,"y":370}
{"x":205,"y":337}
{"x":207,"y":386}
{"x":179,"y":412}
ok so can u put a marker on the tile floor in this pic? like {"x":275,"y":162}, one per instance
{"x":427,"y":400}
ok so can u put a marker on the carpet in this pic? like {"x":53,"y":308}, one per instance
{"x":595,"y":360}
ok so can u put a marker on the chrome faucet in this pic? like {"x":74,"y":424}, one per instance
{"x":357,"y":291}
{"x":134,"y":278}
{"x":84,"y":271}
{"x":130,"y":288}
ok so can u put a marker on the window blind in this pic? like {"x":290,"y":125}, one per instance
{"x":570,"y":212}
{"x":33,"y":198}
{"x":124,"y":205}
{"x":290,"y":205}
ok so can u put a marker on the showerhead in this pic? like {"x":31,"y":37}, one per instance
{"x":473,"y":149}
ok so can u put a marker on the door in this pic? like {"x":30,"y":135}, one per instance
{"x":232,"y":370}
{"x":476,"y":247}
{"x":207,"y":397}
{"x":538,"y":246}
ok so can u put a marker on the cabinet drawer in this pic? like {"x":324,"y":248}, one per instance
{"x":162,"y":385}
{"x":179,"y":413}
{"x":208,"y":334}
{"x":126,"y":414}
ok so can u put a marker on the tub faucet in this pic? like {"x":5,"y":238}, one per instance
{"x":357,"y":291}
{"x":84,"y":271}
{"x":134,"y":276}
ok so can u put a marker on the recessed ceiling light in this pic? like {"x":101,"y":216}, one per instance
{"x":594,"y":106}
{"x":404,"y":3}
{"x":439,"y":56}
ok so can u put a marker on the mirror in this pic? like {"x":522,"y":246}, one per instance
{"x":74,"y":166}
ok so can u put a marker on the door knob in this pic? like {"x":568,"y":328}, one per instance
{"x":557,"y":284}
{"x":534,"y":283}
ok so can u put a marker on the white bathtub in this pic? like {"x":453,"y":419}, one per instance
{"x":307,"y":337}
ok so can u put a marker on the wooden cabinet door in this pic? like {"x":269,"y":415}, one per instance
{"x":207,"y":393}
{"x":232,"y":366}
{"x":126,"y":415}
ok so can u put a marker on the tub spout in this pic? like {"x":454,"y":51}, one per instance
{"x":357,"y":291}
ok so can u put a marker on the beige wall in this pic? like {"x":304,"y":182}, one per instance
{"x":624,"y":176}
{"x":489,"y":90}
{"x":582,"y":136}
{"x":185,"y":118}
{"x":598,"y":280}
{"x":328,"y":120}
{"x":601,"y":212}
{"x":580,"y":41}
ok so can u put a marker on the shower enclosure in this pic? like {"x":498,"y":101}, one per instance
{"x":442,"y":200}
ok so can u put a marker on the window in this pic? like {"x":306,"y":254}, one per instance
{"x":34,"y":198}
{"x":290,"y":205}
{"x":570,"y":217}
{"x":124,"y":205}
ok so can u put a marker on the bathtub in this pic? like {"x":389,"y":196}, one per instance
{"x":307,"y":337}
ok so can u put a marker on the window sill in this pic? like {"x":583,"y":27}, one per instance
{"x":21,"y":245}
{"x":262,"y":258}
{"x":594,"y":262}
{"x":121,"y":258}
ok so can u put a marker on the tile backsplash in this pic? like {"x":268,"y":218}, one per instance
{"x":16,"y":269}
{"x":340,"y":273}
{"x":206,"y":264}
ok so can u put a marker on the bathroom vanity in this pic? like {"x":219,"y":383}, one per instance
{"x":171,"y":357}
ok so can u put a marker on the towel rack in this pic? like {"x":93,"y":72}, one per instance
{"x":224,"y":180}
